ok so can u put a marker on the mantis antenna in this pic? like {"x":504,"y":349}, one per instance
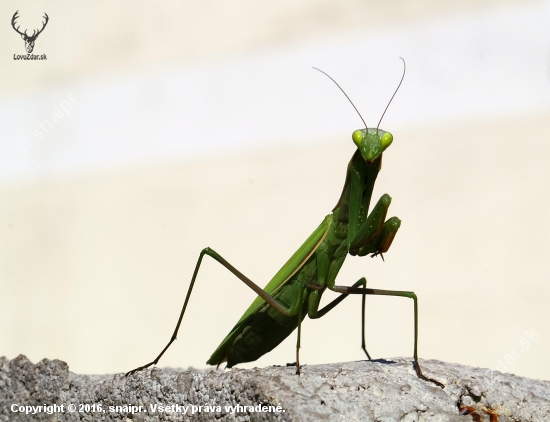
{"x":347,"y":95}
{"x":397,"y":89}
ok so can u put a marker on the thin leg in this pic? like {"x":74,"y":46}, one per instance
{"x":210,"y":252}
{"x":411,"y":295}
{"x":300,"y":310}
{"x":335,"y":302}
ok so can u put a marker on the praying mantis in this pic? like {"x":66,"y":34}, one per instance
{"x":296,"y":289}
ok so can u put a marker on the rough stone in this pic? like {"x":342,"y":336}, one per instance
{"x":380,"y":390}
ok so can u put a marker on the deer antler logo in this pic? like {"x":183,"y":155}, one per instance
{"x":29,"y":39}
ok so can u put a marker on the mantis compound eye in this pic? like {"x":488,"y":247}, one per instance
{"x":386,"y":140}
{"x":357,"y":137}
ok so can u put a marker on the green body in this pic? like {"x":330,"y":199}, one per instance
{"x":313,"y":268}
{"x":296,"y":290}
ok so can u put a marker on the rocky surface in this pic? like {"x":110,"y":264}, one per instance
{"x":382,"y":390}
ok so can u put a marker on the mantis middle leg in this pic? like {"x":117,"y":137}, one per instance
{"x":411,"y":295}
{"x":314,"y":312}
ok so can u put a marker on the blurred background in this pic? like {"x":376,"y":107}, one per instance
{"x":154,"y":130}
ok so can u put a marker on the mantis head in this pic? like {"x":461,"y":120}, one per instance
{"x":371,"y":142}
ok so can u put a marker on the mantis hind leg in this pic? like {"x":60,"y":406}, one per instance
{"x":300,"y":310}
{"x":210,"y":252}
{"x":364,"y":291}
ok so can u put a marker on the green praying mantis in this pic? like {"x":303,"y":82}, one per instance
{"x":296,"y":290}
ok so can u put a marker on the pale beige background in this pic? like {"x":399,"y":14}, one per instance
{"x":99,"y":243}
